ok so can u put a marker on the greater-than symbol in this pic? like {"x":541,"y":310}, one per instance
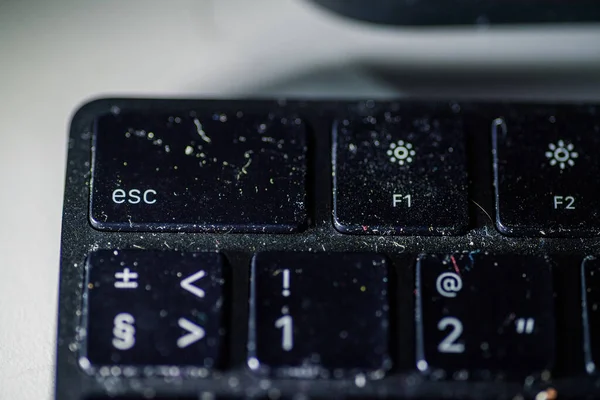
{"x":195,"y":333}
{"x":187,"y":283}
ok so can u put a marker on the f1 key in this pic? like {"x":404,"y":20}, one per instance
{"x":484,"y":315}
{"x":199,"y":171}
{"x":401,"y":171}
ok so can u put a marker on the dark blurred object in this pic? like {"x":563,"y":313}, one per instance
{"x":466,"y":12}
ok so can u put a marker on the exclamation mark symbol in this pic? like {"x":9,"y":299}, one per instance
{"x":286,"y":283}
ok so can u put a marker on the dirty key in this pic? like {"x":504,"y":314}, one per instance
{"x":319,"y":315}
{"x":400,"y":170}
{"x":146,"y":310}
{"x":484,"y":316}
{"x":546,"y":171}
{"x":199,"y":170}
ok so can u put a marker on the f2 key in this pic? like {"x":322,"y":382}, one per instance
{"x":546,"y":169}
{"x":483,"y":315}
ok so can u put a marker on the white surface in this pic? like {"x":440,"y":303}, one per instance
{"x":56,"y":54}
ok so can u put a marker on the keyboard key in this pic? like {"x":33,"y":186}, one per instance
{"x":401,"y":172}
{"x":199,"y":172}
{"x":319,"y":315}
{"x":151,"y":308}
{"x":541,"y":156}
{"x":591,"y":312}
{"x":481,"y":315}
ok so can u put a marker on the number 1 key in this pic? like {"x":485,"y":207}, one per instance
{"x":319,"y":315}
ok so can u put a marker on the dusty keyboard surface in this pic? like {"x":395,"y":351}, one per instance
{"x":330,"y":249}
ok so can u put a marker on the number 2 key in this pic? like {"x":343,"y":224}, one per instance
{"x":482,"y":315}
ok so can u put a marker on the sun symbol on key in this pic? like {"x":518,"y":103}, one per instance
{"x":561,"y":154}
{"x":401,"y":152}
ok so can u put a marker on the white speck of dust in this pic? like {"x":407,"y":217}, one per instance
{"x":253,"y":363}
{"x":233,"y":382}
{"x":84,"y":363}
{"x":360,"y":381}
{"x":590,"y":367}
{"x":189,"y":150}
{"x":422,"y":365}
{"x":265,"y":384}
{"x":200,"y":131}
{"x":543,"y":395}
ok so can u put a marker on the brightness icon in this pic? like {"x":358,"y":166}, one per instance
{"x":401,"y":152}
{"x":561,"y":154}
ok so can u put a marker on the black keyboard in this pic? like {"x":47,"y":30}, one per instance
{"x":330,"y":249}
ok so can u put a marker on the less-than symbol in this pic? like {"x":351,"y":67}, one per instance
{"x":187,"y":283}
{"x":195,"y":333}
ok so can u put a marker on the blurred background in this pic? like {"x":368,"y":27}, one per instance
{"x":55,"y":55}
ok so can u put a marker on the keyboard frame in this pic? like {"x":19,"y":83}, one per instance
{"x":440,"y":12}
{"x":404,"y":380}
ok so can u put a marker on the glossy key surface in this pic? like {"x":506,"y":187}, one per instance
{"x":151,"y":309}
{"x":546,"y":171}
{"x":199,"y":171}
{"x":319,"y":315}
{"x":400,"y":171}
{"x":484,"y":315}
